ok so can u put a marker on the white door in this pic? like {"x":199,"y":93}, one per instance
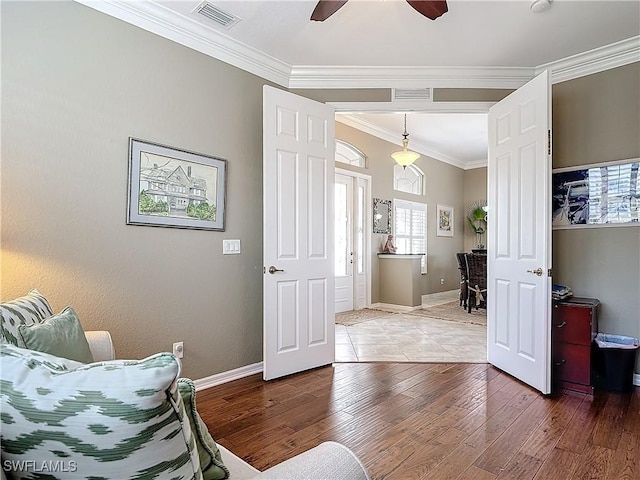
{"x":344,"y":247}
{"x":298,"y":169}
{"x":519,"y":229}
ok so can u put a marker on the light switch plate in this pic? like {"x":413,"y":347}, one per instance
{"x":231,"y":247}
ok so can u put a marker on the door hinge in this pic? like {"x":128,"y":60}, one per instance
{"x":549,"y":273}
{"x":549,"y":142}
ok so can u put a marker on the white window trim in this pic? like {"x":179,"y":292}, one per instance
{"x":418,"y":172}
{"x":409,"y":204}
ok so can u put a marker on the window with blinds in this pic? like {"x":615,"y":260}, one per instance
{"x":410,"y":229}
{"x":614,"y":194}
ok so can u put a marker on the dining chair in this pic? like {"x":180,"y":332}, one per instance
{"x":476,"y":281}
{"x":462,"y":268}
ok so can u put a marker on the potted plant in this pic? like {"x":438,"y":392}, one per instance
{"x":477,"y":220}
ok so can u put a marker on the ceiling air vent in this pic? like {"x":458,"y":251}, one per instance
{"x":216,"y":15}
{"x":404,"y":94}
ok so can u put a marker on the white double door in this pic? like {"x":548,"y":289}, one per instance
{"x":351,"y":253}
{"x":299,"y":242}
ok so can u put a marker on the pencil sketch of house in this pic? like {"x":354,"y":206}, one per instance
{"x":170,"y":192}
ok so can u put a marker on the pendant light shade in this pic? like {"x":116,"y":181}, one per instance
{"x":405,"y":156}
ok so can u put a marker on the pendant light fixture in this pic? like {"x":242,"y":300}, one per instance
{"x":405,"y":156}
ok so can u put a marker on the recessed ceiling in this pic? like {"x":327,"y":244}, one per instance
{"x":391,"y":33}
{"x":386,"y":43}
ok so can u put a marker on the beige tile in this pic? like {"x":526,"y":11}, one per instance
{"x":411,"y":338}
{"x":346,"y":353}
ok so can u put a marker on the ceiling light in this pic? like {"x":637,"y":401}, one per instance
{"x":538,"y":6}
{"x":405,"y":156}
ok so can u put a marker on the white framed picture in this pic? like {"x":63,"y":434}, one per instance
{"x":445,"y":221}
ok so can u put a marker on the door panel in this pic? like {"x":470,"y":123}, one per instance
{"x":519,"y":228}
{"x":298,"y":165}
{"x":344,"y":246}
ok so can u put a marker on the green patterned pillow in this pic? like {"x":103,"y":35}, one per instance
{"x":27,"y":310}
{"x":210,"y":458}
{"x":110,"y":420}
{"x":60,"y":335}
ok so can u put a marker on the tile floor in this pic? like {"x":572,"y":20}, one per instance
{"x":410,"y":338}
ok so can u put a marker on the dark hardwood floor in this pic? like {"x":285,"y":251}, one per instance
{"x":432,"y":421}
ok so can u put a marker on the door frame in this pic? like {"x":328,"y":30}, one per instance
{"x":415,"y":107}
{"x":368,"y":227}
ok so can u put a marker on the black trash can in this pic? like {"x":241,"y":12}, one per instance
{"x":617,"y":361}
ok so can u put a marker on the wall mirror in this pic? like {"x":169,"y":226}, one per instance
{"x":381,"y":216}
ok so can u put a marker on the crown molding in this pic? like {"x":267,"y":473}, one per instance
{"x":166,"y":23}
{"x":391,"y":137}
{"x":476,"y":164}
{"x":186,"y":31}
{"x":594,"y":61}
{"x":408,"y":77}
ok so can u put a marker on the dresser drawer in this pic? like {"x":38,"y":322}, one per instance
{"x":572,"y":324}
{"x":572,"y":363}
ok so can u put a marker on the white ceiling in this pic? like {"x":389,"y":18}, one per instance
{"x":391,"y":33}
{"x":386,"y":43}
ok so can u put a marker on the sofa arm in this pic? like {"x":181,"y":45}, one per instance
{"x":100,"y":345}
{"x":329,"y":460}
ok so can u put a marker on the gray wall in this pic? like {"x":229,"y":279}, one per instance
{"x":75,"y":85}
{"x":597,"y":119}
{"x":475,"y":190}
{"x":444,"y":185}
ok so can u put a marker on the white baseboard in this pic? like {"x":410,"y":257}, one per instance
{"x":394,"y":308}
{"x":224,"y":377}
{"x":447,"y":295}
{"x":636,"y":379}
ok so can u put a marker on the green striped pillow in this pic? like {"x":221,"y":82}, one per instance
{"x":112,"y":420}
{"x":27,"y":310}
{"x":210,"y":457}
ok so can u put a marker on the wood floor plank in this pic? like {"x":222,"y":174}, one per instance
{"x":609,"y":425}
{"x":625,"y":464}
{"x":560,"y":464}
{"x":594,"y":463}
{"x":475,"y":473}
{"x":578,"y":433}
{"x":522,"y":467}
{"x":432,"y":421}
{"x":494,"y":458}
{"x":544,"y":438}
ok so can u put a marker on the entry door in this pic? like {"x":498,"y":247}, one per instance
{"x":519,"y":229}
{"x":344,"y":247}
{"x":298,"y":169}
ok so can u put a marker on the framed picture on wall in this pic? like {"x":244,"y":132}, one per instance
{"x":445,"y":221}
{"x":598,"y":195}
{"x":171,"y":187}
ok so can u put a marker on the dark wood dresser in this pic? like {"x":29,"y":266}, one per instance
{"x":575,"y":325}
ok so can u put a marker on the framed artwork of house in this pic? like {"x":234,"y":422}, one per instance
{"x":171,"y":187}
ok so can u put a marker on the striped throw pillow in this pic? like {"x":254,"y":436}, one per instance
{"x":27,"y":310}
{"x":111,"y":420}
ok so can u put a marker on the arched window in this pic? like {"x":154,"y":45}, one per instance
{"x":409,"y":179}
{"x":347,"y":153}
